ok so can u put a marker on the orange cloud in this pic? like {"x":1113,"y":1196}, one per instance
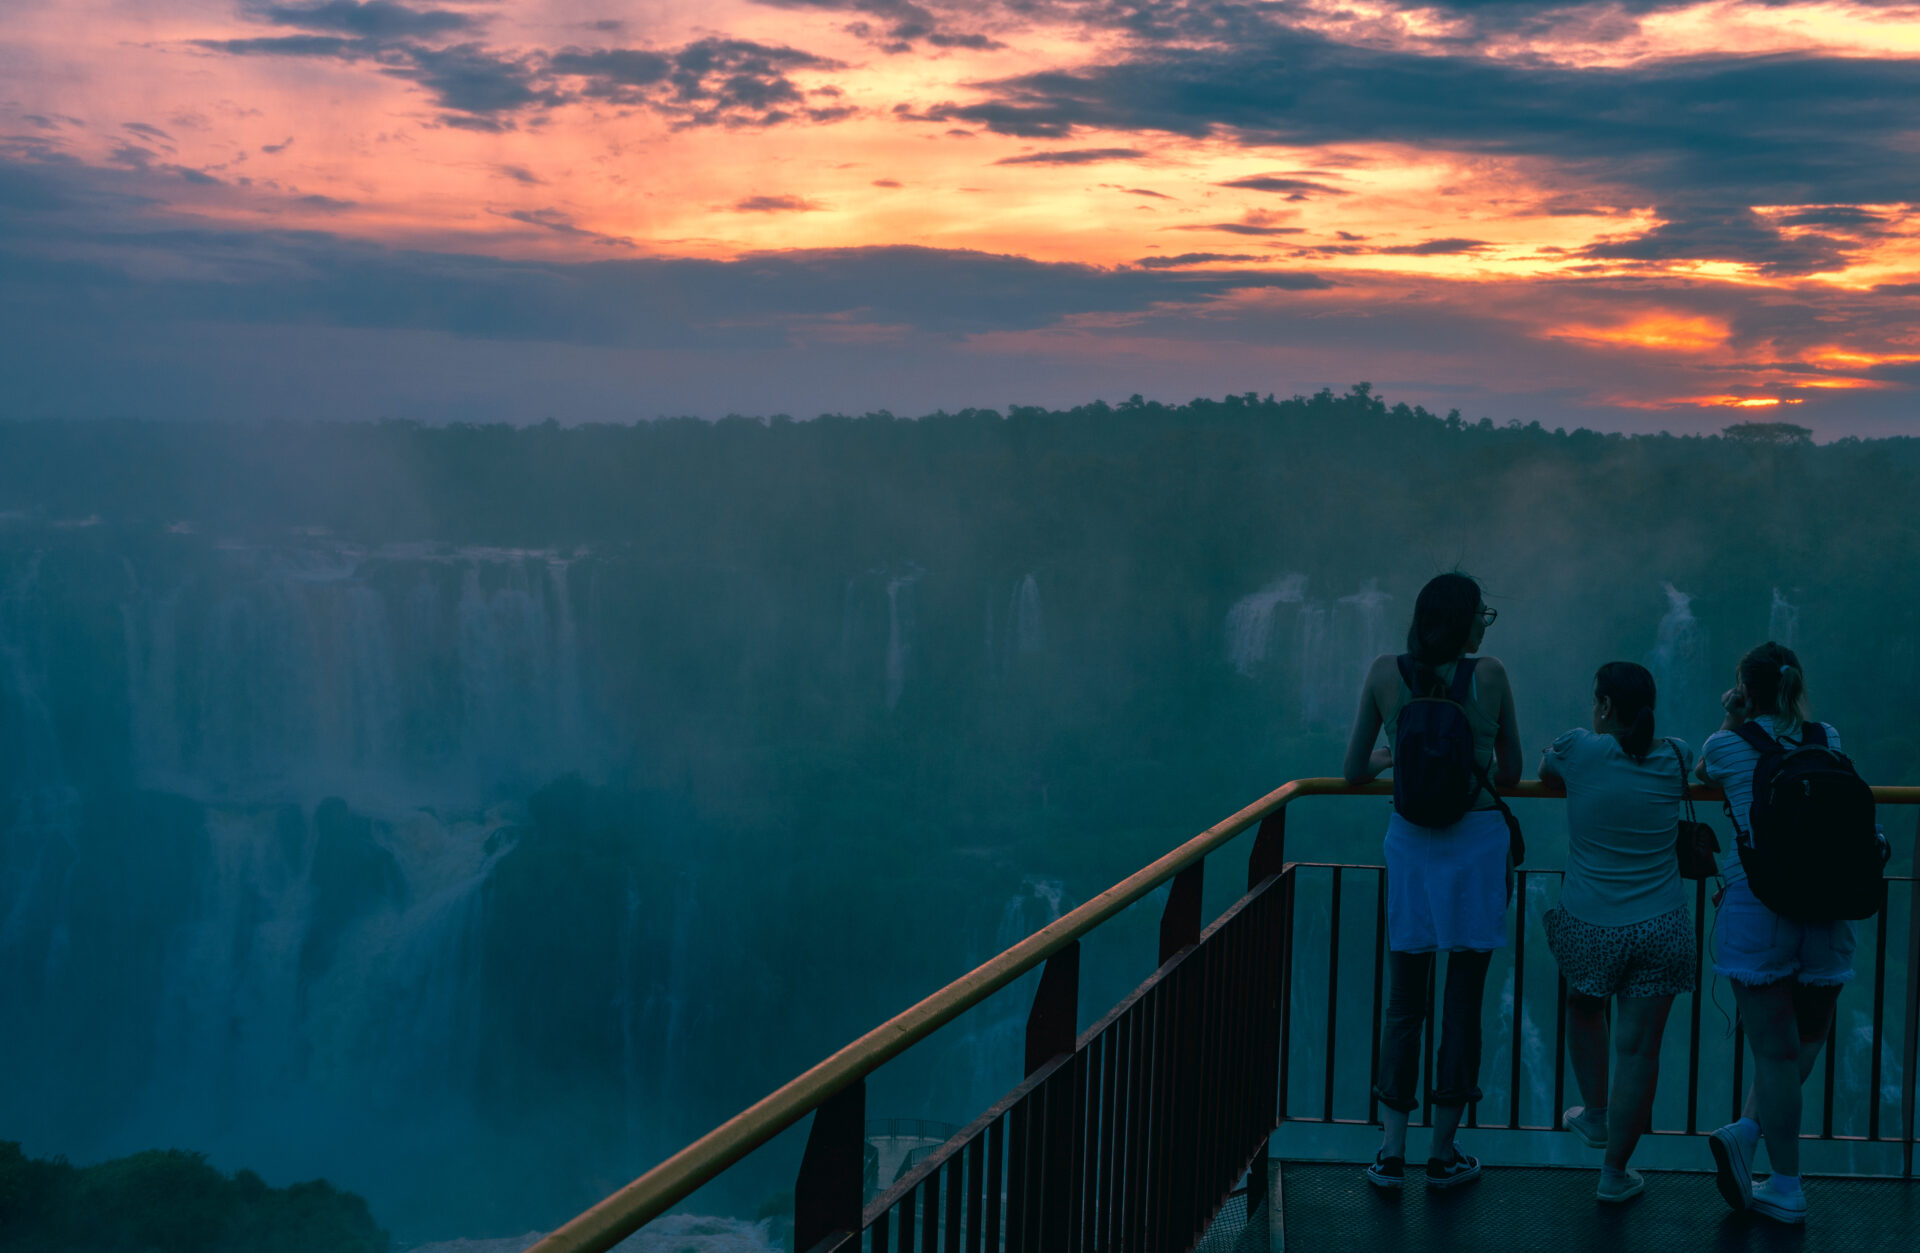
{"x":1658,"y":332}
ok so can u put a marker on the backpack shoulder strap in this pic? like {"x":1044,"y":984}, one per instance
{"x":1462,"y":681}
{"x":1409,"y":674}
{"x":1813,"y":735}
{"x":1762,"y":742}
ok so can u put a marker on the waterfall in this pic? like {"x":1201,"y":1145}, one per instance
{"x":1335,"y":646}
{"x":396,"y":677}
{"x":899,"y":633}
{"x":1679,"y":653}
{"x":990,"y":1052}
{"x":1315,"y":697}
{"x":326,"y":973}
{"x":1026,"y":635}
{"x":37,"y":862}
{"x":627,"y":1006}
{"x":1249,"y":630}
{"x":1783,"y":620}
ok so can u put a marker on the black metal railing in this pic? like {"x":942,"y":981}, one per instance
{"x":1131,"y":1135}
{"x":1322,"y":1107}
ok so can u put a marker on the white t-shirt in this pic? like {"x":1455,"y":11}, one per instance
{"x":1623,"y":817}
{"x":1730,"y":761}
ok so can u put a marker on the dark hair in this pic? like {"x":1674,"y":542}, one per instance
{"x":1443,"y":619}
{"x":1628,"y":686}
{"x":1775,"y":684}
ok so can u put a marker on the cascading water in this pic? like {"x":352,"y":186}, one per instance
{"x":1783,"y":620}
{"x":1249,"y":630}
{"x":1026,"y":635}
{"x":1678,"y":658}
{"x":1316,"y":675}
{"x":899,"y":633}
{"x":262,"y":907}
{"x":989,"y":1053}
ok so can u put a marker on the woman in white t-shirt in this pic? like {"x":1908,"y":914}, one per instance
{"x":1622,"y":929}
{"x":1786,"y":975}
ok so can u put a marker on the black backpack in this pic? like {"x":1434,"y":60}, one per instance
{"x":1812,"y":851}
{"x":1435,"y":773}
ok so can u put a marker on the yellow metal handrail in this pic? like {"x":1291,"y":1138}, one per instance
{"x":678,"y":1177}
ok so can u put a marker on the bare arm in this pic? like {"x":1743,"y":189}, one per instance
{"x":1363,"y":762}
{"x":1734,"y":701}
{"x":1507,"y":752}
{"x":1549,"y":773}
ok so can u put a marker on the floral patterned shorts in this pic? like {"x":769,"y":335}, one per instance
{"x":1657,"y":957}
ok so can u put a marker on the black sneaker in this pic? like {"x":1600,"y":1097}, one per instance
{"x":1387,"y":1172}
{"x":1451,"y":1172}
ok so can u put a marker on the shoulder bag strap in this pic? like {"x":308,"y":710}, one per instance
{"x":1686,"y":788}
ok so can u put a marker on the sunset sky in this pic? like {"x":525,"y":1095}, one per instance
{"x":1630,"y":216}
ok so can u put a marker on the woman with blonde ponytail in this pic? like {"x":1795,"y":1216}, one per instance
{"x":1622,"y":930}
{"x":1786,"y":974}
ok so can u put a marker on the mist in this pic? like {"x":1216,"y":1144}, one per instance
{"x":454,"y":812}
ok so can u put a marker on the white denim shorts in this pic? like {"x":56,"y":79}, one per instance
{"x":1755,"y":946}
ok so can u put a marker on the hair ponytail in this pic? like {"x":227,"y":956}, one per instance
{"x":1776,"y":685}
{"x":1628,"y":687}
{"x":1640,"y":738}
{"x":1443,"y":616}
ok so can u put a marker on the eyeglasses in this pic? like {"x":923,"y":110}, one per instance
{"x":1488,"y":615}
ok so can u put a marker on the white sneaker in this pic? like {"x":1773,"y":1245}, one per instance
{"x":1592,"y":1131}
{"x":1781,"y":1207}
{"x":1628,"y":1187}
{"x":1733,"y":1162}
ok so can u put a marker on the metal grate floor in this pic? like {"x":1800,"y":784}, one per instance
{"x":1331,"y":1206}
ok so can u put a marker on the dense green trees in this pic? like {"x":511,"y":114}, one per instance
{"x":171,"y":1202}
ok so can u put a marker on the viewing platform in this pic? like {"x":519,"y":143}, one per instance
{"x":1524,"y":1209}
{"x":1246,"y":1057}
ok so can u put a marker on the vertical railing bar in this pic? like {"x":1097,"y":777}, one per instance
{"x":1138,"y":1085}
{"x":1076,"y":1176}
{"x":1333,"y":991}
{"x":993,"y":1229}
{"x":954,"y":1203}
{"x":1292,"y":875}
{"x":976,"y":1192}
{"x":1879,"y":1012}
{"x":1087,"y":1140}
{"x":1379,"y":987}
{"x":1160,"y":1137}
{"x":877,"y":1234}
{"x":1910,"y":1038}
{"x":1699,"y":981}
{"x":1739,"y":1067}
{"x":1519,"y":994}
{"x":1431,"y":1030}
{"x":907,"y":1215}
{"x":1019,"y":1195}
{"x":1559,"y":1051}
{"x":1833,"y":1036}
{"x":1114,"y":1157}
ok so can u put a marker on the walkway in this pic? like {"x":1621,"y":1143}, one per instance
{"x":1525,"y":1209}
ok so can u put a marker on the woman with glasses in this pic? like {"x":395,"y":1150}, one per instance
{"x":1446,"y":885}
